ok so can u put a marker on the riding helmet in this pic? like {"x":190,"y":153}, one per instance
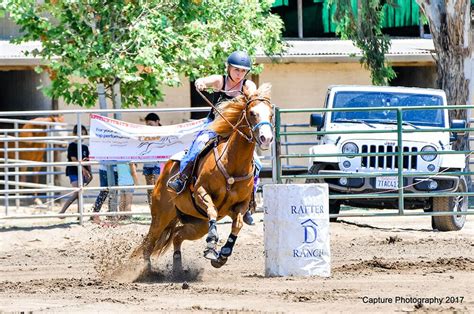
{"x":240,"y":59}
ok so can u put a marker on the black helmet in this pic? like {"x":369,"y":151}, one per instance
{"x":240,"y":59}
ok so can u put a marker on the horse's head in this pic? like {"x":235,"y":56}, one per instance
{"x":58,"y":129}
{"x":259,"y":114}
{"x":59,"y":119}
{"x":251,"y":115}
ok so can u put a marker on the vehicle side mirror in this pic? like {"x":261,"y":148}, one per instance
{"x":458,"y":124}
{"x":316,"y":120}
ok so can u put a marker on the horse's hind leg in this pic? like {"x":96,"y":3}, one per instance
{"x":189,"y":231}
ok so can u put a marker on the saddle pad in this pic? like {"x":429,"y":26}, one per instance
{"x":178,"y":156}
{"x":209,"y":145}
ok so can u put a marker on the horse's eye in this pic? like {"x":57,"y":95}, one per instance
{"x":253,"y":114}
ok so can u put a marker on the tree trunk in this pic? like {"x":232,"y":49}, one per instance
{"x":101,"y":96}
{"x":450,"y":26}
{"x":117,"y":98}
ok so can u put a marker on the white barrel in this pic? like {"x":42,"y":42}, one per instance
{"x":296,"y":227}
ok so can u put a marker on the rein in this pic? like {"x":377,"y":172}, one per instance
{"x":229,"y":179}
{"x":234,"y":127}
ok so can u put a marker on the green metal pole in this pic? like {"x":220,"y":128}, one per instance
{"x":400,"y":161}
{"x":277,"y":145}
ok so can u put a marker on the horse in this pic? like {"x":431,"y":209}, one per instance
{"x":223,"y":186}
{"x":40,"y":146}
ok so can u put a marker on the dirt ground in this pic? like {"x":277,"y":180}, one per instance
{"x":57,"y":266}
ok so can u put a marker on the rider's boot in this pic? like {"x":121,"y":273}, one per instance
{"x":248,"y":219}
{"x":178,"y":182}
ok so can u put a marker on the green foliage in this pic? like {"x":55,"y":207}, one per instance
{"x":146,"y":44}
{"x":364,"y":28}
{"x":2,"y":8}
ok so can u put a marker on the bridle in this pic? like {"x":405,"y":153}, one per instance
{"x":236,"y":127}
{"x":261,"y":123}
{"x":229,"y":179}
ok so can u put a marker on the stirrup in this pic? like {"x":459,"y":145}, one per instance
{"x":174,"y":180}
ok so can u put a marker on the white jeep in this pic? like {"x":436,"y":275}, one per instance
{"x":376,"y":153}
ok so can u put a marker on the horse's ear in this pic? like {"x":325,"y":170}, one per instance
{"x":58,"y":118}
{"x":265,"y":90}
{"x":246,"y":92}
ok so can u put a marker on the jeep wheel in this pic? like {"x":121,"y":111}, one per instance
{"x":457,"y":203}
{"x":334,"y":208}
{"x":334,"y":205}
{"x":314,"y":170}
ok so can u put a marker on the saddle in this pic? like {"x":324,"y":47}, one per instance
{"x":209,"y":146}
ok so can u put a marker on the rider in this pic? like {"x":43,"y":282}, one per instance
{"x":225,"y":87}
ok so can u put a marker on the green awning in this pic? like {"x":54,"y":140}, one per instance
{"x":279,"y":3}
{"x":403,"y":13}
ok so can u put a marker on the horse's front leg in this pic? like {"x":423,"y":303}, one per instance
{"x":237,"y":223}
{"x":205,"y":200}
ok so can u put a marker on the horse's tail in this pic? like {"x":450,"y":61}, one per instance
{"x":160,"y":235}
{"x":138,"y":264}
{"x":152,"y":244}
{"x":166,"y":239}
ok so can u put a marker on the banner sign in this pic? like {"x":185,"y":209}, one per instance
{"x":112,"y":139}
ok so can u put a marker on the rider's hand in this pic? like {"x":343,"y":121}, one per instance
{"x":200,"y":85}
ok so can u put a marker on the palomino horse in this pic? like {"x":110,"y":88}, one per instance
{"x":223,"y":187}
{"x":40,"y":146}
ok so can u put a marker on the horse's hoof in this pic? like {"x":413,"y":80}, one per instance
{"x":219,"y":262}
{"x":211,"y":254}
{"x":39,"y":203}
{"x":177,"y":264}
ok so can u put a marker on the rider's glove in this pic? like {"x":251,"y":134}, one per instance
{"x":200,"y":85}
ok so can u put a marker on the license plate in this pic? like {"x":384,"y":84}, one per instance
{"x":386,"y":183}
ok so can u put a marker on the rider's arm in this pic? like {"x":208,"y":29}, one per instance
{"x":251,"y":87}
{"x":214,"y":81}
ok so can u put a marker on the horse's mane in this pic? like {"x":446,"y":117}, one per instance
{"x":52,"y":118}
{"x":232,"y":110}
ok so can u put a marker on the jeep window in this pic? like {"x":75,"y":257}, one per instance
{"x":326,"y":103}
{"x":364,"y":99}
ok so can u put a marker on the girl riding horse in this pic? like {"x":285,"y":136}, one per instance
{"x":223,"y":187}
{"x":225,"y":87}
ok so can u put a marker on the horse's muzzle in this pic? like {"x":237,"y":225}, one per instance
{"x":265,"y":136}
{"x":264,"y":142}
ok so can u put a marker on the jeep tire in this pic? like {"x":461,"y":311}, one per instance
{"x":334,"y":205}
{"x":450,"y":203}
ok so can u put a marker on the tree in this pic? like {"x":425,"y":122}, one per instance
{"x":135,"y":47}
{"x":363,"y":25}
{"x":450,"y":26}
{"x":450,"y":23}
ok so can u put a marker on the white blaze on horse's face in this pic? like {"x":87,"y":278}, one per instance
{"x":262,"y":114}
{"x":61,"y":131}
